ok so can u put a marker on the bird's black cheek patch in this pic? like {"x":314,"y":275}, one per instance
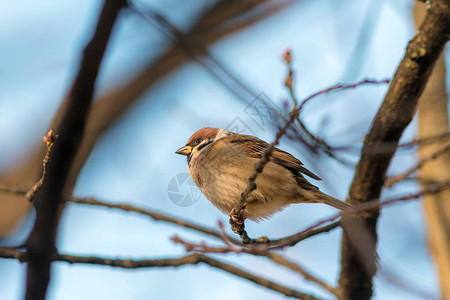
{"x":201,"y":146}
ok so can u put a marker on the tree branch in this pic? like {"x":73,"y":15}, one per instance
{"x":281,"y":260}
{"x":394,"y":115}
{"x":41,"y":241}
{"x":440,"y":150}
{"x":154,"y":215}
{"x":191,"y":259}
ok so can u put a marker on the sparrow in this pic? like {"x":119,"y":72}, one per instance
{"x":220,"y":163}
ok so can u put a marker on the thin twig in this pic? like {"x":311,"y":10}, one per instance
{"x":426,"y":140}
{"x":16,"y":189}
{"x":340,"y":87}
{"x":432,"y":188}
{"x":156,"y":216}
{"x":389,"y":147}
{"x":191,"y":259}
{"x":261,"y":248}
{"x":282,"y":260}
{"x":439,"y":151}
{"x":49,"y":141}
{"x":318,"y":143}
{"x":272,"y":244}
{"x":323,"y":145}
{"x":236,"y":218}
{"x":366,"y":206}
{"x":264,"y":247}
{"x":277,"y":258}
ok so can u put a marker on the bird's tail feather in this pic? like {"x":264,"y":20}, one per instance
{"x":336,"y":203}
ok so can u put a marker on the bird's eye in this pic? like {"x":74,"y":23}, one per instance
{"x":197,"y":141}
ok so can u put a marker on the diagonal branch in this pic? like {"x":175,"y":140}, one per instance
{"x":282,"y":260}
{"x":394,"y":115}
{"x":49,"y":198}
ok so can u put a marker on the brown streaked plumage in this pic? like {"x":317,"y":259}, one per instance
{"x":220,"y":163}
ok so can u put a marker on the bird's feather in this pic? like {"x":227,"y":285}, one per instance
{"x":257,"y":147}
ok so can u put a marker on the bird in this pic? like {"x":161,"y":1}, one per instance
{"x":220,"y":163}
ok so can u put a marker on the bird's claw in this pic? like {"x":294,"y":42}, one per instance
{"x":237,"y":222}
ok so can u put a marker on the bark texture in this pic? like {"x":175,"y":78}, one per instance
{"x":395,"y":113}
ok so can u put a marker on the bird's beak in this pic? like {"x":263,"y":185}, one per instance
{"x":185,"y":150}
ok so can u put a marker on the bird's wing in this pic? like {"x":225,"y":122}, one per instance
{"x":257,"y":147}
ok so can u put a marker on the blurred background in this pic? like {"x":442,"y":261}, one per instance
{"x":155,"y":94}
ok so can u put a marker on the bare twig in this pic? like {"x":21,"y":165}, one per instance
{"x":260,"y":246}
{"x":49,"y":140}
{"x":17,"y":189}
{"x":236,"y":217}
{"x":367,"y":206}
{"x":264,"y":247}
{"x":191,"y":259}
{"x":294,"y":266}
{"x":426,"y":140}
{"x":439,"y":151}
{"x":432,"y":188}
{"x":342,"y":87}
{"x":277,"y":258}
{"x":317,"y":143}
{"x":282,"y":260}
{"x":154,"y":215}
{"x":255,"y":249}
{"x":387,"y":147}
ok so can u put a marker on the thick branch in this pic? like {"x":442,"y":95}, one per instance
{"x":41,"y":241}
{"x":394,"y":115}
